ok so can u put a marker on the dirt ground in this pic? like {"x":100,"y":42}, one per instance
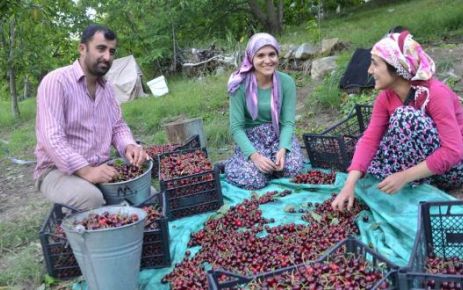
{"x":18,"y":196}
{"x":16,"y":189}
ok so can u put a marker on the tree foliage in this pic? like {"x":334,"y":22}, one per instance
{"x":37,"y":36}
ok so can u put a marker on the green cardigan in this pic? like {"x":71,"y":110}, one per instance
{"x":240,"y":119}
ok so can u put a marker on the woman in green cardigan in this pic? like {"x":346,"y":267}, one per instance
{"x":262,"y":113}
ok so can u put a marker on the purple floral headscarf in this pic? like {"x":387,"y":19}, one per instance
{"x":410,"y":61}
{"x":245,"y":73}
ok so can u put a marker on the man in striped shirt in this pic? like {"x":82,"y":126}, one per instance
{"x":78,"y":119}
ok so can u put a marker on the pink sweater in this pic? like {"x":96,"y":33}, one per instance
{"x":444,"y":108}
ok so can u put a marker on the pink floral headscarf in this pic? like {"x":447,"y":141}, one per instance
{"x":411,"y":62}
{"x":246,"y":73}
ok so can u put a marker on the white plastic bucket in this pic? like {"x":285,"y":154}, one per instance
{"x":158,"y":86}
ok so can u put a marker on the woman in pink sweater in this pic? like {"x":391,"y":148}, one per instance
{"x":416,"y":128}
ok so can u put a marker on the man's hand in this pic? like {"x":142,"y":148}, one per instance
{"x":280,"y":159}
{"x":135,"y":155}
{"x":262,"y":163}
{"x":393,"y":183}
{"x":346,"y":195}
{"x":99,"y":174}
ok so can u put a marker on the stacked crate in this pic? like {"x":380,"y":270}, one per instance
{"x":190,"y":183}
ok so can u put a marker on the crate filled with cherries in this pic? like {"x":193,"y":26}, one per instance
{"x":157,"y":149}
{"x":58,"y":256}
{"x":155,"y":252}
{"x":348,"y":265}
{"x":315,"y":177}
{"x":190,"y":182}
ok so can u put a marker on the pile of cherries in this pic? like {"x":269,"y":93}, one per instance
{"x":58,"y":234}
{"x":126,"y":172}
{"x":315,"y":177}
{"x":154,"y":150}
{"x":105,"y":220}
{"x":184,"y":164}
{"x":243,"y":242}
{"x":152,"y":216}
{"x":447,"y":266}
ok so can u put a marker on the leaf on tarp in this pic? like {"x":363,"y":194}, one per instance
{"x":254,"y":195}
{"x":334,"y":221}
{"x":375,"y":226}
{"x":220,"y":212}
{"x":49,"y":280}
{"x":289,"y":208}
{"x":315,"y":216}
{"x":298,"y":189}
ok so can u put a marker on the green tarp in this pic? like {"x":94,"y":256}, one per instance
{"x":391,"y":228}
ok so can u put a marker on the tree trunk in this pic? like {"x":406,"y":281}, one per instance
{"x":280,"y":15}
{"x":27,"y":87}
{"x":13,"y":93}
{"x":271,"y":19}
{"x":173,"y":68}
{"x":12,"y":71}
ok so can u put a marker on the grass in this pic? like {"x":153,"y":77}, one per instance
{"x":205,"y":98}
{"x":21,"y":247}
{"x":17,"y":136}
{"x":23,"y":266}
{"x":427,"y":20}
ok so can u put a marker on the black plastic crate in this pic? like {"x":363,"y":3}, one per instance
{"x":60,"y":260}
{"x":346,"y":247}
{"x":57,"y":252}
{"x":363,"y":113}
{"x":155,"y":252}
{"x":335,"y":147}
{"x":440,"y":233}
{"x":191,"y":194}
{"x":192,"y":143}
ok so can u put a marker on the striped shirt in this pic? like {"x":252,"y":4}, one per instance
{"x":72,"y":129}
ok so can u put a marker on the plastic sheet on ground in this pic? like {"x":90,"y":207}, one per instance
{"x":390,"y":230}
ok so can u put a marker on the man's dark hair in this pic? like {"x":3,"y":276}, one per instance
{"x":90,"y":31}
{"x":398,"y":29}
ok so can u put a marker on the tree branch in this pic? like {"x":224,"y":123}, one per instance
{"x":257,"y":11}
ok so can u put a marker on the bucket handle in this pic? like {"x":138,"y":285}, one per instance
{"x":73,"y":210}
{"x":88,"y":260}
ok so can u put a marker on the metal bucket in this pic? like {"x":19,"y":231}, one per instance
{"x":135,"y":191}
{"x":108,"y":258}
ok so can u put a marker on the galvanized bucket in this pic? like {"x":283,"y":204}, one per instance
{"x":108,"y":258}
{"x":135,"y":191}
